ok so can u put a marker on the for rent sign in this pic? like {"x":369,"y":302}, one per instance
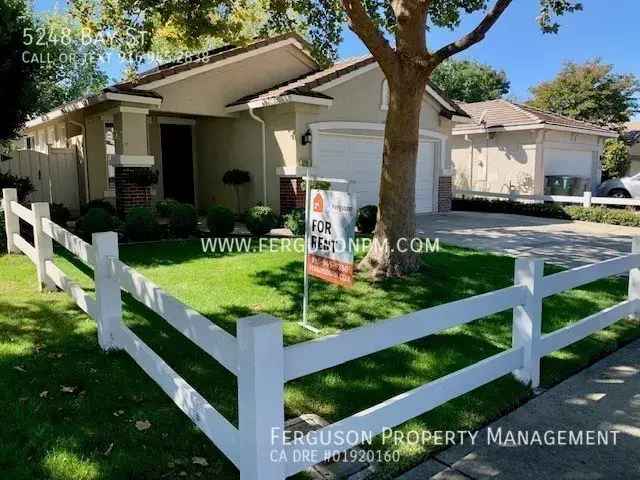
{"x":330,"y":237}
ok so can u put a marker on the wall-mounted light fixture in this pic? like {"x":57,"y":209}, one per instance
{"x":306,"y":137}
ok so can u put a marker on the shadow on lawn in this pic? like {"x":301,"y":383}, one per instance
{"x":336,"y":393}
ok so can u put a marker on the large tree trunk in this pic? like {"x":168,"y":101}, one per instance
{"x":396,"y":224}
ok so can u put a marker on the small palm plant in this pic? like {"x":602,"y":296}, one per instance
{"x":236,"y":178}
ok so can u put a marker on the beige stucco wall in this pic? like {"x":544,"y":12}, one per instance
{"x":521,"y":159}
{"x":226,"y":143}
{"x":130,"y":133}
{"x":493,"y":163}
{"x":96,"y":156}
{"x":210,"y":92}
{"x":359,"y":100}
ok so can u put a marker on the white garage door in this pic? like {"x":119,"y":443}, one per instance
{"x":359,"y":159}
{"x":576,"y":163}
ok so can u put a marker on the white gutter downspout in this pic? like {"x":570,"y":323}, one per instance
{"x":264,"y":153}
{"x":84,"y":157}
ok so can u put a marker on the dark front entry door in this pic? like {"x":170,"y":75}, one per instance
{"x":177,"y":163}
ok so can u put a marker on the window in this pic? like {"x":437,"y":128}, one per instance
{"x":110,"y":150}
{"x":384,"y":95}
{"x":30,"y":142}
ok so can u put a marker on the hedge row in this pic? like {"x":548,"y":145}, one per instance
{"x":549,"y":210}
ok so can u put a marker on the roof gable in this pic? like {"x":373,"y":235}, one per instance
{"x":316,"y":83}
{"x":494,"y":115}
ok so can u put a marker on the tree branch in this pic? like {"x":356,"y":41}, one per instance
{"x":362,"y":24}
{"x":473,"y":37}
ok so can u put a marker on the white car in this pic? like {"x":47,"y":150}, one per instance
{"x":626,"y":187}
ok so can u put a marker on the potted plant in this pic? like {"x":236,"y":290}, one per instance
{"x":236,"y":178}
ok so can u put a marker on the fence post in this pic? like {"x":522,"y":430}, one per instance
{"x":43,"y":244}
{"x":260,"y":397}
{"x":11,"y":221}
{"x":586,"y":199}
{"x":634,"y":278}
{"x":527,"y":319}
{"x":108,"y":299}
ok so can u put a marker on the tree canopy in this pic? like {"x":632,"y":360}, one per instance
{"x":44,"y":63}
{"x":591,"y":92}
{"x":470,"y":81}
{"x":142,"y":26}
{"x":68,"y":64}
{"x":18,"y":94}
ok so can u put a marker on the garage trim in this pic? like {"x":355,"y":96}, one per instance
{"x":431,"y":136}
{"x":427,"y":136}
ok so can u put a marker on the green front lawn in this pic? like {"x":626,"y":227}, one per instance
{"x":68,"y":411}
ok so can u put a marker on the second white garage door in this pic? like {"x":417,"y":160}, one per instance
{"x":359,"y":158}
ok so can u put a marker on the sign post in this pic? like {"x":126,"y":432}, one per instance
{"x":330,"y":218}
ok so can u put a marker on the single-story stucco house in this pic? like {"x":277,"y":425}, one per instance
{"x":510,"y":146}
{"x":266,"y":107}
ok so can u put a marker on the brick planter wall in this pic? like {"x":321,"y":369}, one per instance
{"x":128,"y":194}
{"x":444,"y":194}
{"x":291,"y":194}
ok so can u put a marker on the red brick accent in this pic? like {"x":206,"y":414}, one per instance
{"x":129,"y":194}
{"x":444,"y":194}
{"x":291,"y":194}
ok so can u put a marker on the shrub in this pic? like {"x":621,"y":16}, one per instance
{"x":616,"y":159}
{"x":220,"y":220}
{"x":260,"y":220}
{"x":367,"y":218}
{"x":140,"y":224}
{"x":23,"y":185}
{"x":3,"y":234}
{"x":144,"y":177}
{"x":95,"y":220}
{"x":99,"y":203}
{"x":236,"y":178}
{"x":164,"y":207}
{"x":59,"y":214}
{"x":183,"y":219}
{"x":605,"y":215}
{"x":594,"y":214}
{"x":550,"y":210}
{"x":294,"y":221}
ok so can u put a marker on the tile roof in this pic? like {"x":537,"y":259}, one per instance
{"x":502,"y":113}
{"x":206,"y":58}
{"x":305,"y":84}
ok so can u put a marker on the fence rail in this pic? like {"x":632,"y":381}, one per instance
{"x":263,"y":365}
{"x":586,"y":200}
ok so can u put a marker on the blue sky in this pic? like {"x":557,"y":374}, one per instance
{"x":607,"y":29}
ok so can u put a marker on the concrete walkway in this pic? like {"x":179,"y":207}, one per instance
{"x":562,"y":242}
{"x":604,"y":398}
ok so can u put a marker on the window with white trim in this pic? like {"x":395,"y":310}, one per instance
{"x":110,"y":150}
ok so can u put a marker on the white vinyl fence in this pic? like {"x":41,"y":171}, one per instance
{"x":54,"y":175}
{"x":263,"y":364}
{"x":586,"y":200}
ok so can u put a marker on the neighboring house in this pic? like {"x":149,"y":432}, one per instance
{"x":511,"y":146}
{"x":266,"y":107}
{"x":632,"y":138}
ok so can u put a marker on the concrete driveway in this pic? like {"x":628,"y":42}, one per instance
{"x":561,"y":242}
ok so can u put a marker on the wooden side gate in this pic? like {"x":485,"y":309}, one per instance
{"x":54,"y":175}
